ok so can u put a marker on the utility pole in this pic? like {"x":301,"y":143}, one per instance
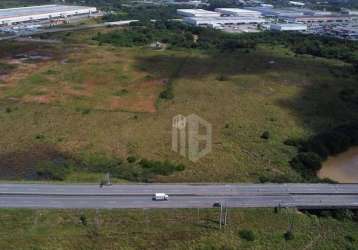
{"x":290,"y":221}
{"x":108,"y":179}
{"x":198,"y":216}
{"x":221,"y":214}
{"x":226,"y":215}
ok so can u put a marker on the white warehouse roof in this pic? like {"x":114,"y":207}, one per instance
{"x":24,"y":14}
{"x":214,"y":21}
{"x":197,"y":13}
{"x":288,"y":27}
{"x":238,"y":12}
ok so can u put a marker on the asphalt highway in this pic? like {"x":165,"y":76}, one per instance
{"x":180,"y":195}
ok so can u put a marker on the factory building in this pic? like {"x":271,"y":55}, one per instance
{"x":288,"y":27}
{"x":294,"y":3}
{"x":322,"y":19}
{"x":347,"y":32}
{"x":37,"y":13}
{"x":265,"y":5}
{"x":271,"y":12}
{"x":221,"y":21}
{"x":350,"y":12}
{"x":221,"y":17}
{"x":197,"y":13}
{"x":238,"y":12}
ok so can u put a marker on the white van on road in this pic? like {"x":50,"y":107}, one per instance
{"x":160,"y":197}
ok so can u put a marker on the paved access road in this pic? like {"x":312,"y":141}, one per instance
{"x":180,"y":195}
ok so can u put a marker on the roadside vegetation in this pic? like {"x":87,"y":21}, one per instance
{"x":133,"y":169}
{"x":175,"y":229}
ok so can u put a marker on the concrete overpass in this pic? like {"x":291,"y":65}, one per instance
{"x":309,"y":196}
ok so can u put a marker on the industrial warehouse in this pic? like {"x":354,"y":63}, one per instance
{"x":220,"y":17}
{"x":266,"y":17}
{"x":44,"y":12}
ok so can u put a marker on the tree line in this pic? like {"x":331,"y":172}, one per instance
{"x":315,"y":150}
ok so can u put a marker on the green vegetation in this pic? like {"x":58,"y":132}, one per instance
{"x":177,"y":35}
{"x":143,"y":13}
{"x":132,"y":170}
{"x":289,"y":235}
{"x":317,"y":148}
{"x":50,"y":170}
{"x":137,"y":171}
{"x":173,"y":33}
{"x":247,"y":235}
{"x":171,"y":229}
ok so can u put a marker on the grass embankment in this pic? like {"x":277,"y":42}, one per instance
{"x":172,"y":229}
{"x":103,"y":100}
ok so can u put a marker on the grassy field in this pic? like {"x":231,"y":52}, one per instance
{"x":171,"y":229}
{"x":85,"y":99}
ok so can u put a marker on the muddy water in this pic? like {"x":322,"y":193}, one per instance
{"x":342,"y":168}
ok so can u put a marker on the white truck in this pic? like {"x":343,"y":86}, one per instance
{"x":160,"y":197}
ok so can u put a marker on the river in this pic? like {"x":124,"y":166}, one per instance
{"x":342,"y":168}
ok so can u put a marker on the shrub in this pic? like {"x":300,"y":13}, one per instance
{"x":221,"y":78}
{"x":279,"y":179}
{"x":328,"y":143}
{"x":288,"y":235}
{"x":160,"y":168}
{"x":85,"y":111}
{"x":167,"y":94}
{"x":292,"y":142}
{"x":39,"y":137}
{"x":50,"y":170}
{"x":83,"y":219}
{"x":349,"y":238}
{"x":307,"y":160}
{"x":132,"y":170}
{"x":265,"y":135}
{"x":131,"y":159}
{"x":121,"y":92}
{"x":343,"y":214}
{"x":247,"y":235}
{"x":319,"y":147}
{"x":101,"y":164}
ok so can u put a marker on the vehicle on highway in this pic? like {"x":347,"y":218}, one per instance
{"x":160,"y":197}
{"x":217,"y":204}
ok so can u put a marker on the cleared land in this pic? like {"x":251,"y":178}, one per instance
{"x":76,"y":100}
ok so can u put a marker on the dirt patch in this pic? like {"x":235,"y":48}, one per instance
{"x":42,"y":99}
{"x":22,"y":71}
{"x":77,"y":92}
{"x":134,"y":105}
{"x":142,"y":97}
